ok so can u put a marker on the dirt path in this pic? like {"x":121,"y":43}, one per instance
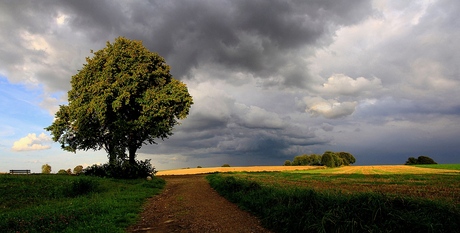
{"x":189,"y":204}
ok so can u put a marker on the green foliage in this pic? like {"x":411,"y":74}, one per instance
{"x":328,"y":159}
{"x":333,"y":159}
{"x":46,"y":169}
{"x":305,"y":160}
{"x":226,"y":165}
{"x":51,"y":203}
{"x":287,"y":163}
{"x":420,"y":160}
{"x":78,"y":169}
{"x":292,"y":209}
{"x":346,"y":157}
{"x":123,"y":97}
{"x":62,"y":172}
{"x":122,"y":169}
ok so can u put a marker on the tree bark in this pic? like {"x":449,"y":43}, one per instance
{"x":132,"y":154}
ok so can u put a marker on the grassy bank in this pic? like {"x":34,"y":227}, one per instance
{"x":62,"y":203}
{"x":298,"y":207}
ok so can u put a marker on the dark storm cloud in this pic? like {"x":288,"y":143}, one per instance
{"x":251,"y":36}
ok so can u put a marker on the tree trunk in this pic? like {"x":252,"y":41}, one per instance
{"x":132,"y":154}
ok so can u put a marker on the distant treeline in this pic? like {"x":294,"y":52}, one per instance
{"x":329,"y":159}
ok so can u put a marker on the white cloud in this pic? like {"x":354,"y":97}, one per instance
{"x":32,"y":142}
{"x":330,"y":108}
{"x":341,"y":84}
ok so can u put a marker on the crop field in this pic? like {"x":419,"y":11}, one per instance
{"x":398,"y":198}
{"x":63,"y":203}
{"x":434,"y":184}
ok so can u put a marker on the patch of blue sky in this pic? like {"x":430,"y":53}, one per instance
{"x":20,"y":110}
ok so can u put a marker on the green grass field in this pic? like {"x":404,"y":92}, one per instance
{"x":441,"y":166}
{"x":364,"y":201}
{"x":62,"y":203}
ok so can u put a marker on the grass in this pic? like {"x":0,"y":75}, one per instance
{"x":62,"y":203}
{"x":441,"y":166}
{"x":329,"y":202}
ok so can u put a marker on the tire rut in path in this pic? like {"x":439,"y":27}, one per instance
{"x":189,"y":204}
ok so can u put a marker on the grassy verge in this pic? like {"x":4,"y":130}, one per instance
{"x":302,"y":209}
{"x":441,"y":166}
{"x":61,"y":203}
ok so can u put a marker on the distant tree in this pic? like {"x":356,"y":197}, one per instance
{"x":315,"y":160}
{"x":62,"y":172}
{"x":287,"y":163}
{"x":328,"y":159}
{"x":411,"y":161}
{"x":420,"y":160}
{"x":122,"y":98}
{"x":198,"y":166}
{"x":69,"y":171}
{"x":347,"y":158}
{"x":338,"y":161}
{"x":226,"y":165}
{"x":78,"y":169}
{"x":46,"y":169}
{"x":425,"y":160}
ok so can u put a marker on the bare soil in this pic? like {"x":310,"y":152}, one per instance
{"x":189,"y":204}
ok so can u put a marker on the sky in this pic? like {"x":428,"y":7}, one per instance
{"x":270,"y":79}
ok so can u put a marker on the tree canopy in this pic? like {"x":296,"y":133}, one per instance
{"x":329,"y":159}
{"x":420,"y":160}
{"x":122,"y":98}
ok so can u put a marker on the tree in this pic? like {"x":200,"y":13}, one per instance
{"x":328,"y":159}
{"x":420,"y":160}
{"x":347,"y":158}
{"x":78,"y":169}
{"x":411,"y":160}
{"x":46,"y":169}
{"x":62,"y":172}
{"x":122,"y":98}
{"x":287,"y":163}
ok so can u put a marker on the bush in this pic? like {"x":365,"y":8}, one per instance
{"x":226,"y":165}
{"x":82,"y":186}
{"x":122,"y":170}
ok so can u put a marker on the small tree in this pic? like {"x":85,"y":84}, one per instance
{"x":78,"y":169}
{"x":46,"y":169}
{"x":287,"y":163}
{"x":226,"y":165}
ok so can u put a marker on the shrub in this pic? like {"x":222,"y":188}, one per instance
{"x":226,"y":165}
{"x":83,"y":186}
{"x":198,"y":167}
{"x":122,"y":169}
{"x":287,"y":163}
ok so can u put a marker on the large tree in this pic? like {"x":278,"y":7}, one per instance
{"x":122,"y":98}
